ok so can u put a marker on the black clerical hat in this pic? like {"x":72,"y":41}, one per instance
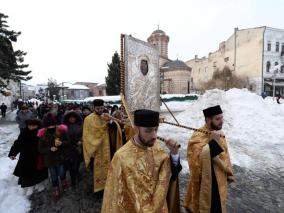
{"x":211,"y":111}
{"x":146,"y":118}
{"x":98,"y":102}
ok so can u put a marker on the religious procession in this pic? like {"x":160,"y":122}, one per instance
{"x":131,"y":171}
{"x":152,"y":135}
{"x":120,"y":146}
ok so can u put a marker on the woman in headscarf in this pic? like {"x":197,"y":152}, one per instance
{"x":30,"y":168}
{"x":74,"y":155}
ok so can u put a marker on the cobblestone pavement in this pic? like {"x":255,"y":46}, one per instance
{"x":255,"y":191}
{"x":259,"y":192}
{"x":80,"y":200}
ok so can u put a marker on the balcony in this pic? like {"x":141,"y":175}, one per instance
{"x":270,"y":75}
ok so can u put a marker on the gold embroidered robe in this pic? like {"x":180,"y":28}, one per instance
{"x":198,"y":197}
{"x":128,"y":130}
{"x":138,"y":180}
{"x":96,"y":144}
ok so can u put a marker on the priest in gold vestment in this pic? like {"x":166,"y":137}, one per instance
{"x":140,"y":171}
{"x":98,"y":147}
{"x":210,"y":166}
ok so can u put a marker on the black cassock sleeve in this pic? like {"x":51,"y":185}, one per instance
{"x":175,"y":169}
{"x":215,"y":148}
{"x":17,"y":146}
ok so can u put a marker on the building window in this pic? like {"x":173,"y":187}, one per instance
{"x":269,"y":46}
{"x":282,"y":69}
{"x":268,"y":66}
{"x":215,"y":64}
{"x":282,"y":49}
{"x":226,"y":59}
{"x":277,"y":47}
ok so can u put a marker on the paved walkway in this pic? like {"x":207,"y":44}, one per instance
{"x":254,"y":191}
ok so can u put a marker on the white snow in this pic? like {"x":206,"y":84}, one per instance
{"x":34,"y":100}
{"x":75,"y":86}
{"x":177,"y":95}
{"x":253,"y":126}
{"x":105,"y":98}
{"x":176,"y":106}
{"x":117,"y":98}
{"x":11,"y":116}
{"x":12,"y":196}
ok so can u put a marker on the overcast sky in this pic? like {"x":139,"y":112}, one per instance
{"x":72,"y":40}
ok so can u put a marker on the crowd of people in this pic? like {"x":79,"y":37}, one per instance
{"x":131,"y":172}
{"x":50,"y":143}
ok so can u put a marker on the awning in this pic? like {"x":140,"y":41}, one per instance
{"x":277,"y":84}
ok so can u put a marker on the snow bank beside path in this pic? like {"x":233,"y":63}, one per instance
{"x":12,"y":196}
{"x":253,"y":126}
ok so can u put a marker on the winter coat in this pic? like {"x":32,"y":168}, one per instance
{"x":3,"y":108}
{"x":22,"y":117}
{"x":47,"y":140}
{"x":74,"y":133}
{"x":26,"y":168}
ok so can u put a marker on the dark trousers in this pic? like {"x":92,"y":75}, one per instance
{"x":55,"y":172}
{"x":3,"y":114}
{"x":73,"y":165}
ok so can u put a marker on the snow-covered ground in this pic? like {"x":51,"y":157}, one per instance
{"x":11,"y":116}
{"x":12,"y":198}
{"x":253,"y":127}
{"x":176,"y":106}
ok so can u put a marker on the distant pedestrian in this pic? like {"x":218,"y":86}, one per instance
{"x":278,"y":99}
{"x":3,"y":110}
{"x":23,"y":115}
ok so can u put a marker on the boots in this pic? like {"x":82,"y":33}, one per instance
{"x":56,"y":193}
{"x":65,"y":185}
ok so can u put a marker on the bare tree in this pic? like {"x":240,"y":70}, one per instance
{"x":226,"y":79}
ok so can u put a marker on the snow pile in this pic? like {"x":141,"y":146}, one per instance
{"x":11,"y":116}
{"x":34,"y":100}
{"x":12,"y":197}
{"x":253,"y":126}
{"x":176,"y":106}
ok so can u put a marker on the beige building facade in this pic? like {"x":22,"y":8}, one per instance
{"x":251,"y":54}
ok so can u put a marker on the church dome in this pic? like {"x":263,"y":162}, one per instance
{"x":158,"y":31}
{"x":175,"y":65}
{"x":161,"y":40}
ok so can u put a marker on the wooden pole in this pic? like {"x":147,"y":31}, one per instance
{"x":190,"y":128}
{"x":169,"y":110}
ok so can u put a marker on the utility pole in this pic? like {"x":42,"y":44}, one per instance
{"x":274,"y":79}
{"x":20,"y":89}
{"x":275,"y":70}
{"x":235,"y":49}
